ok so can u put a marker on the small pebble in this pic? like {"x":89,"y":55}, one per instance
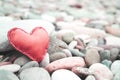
{"x":114,"y":52}
{"x":90,"y":77}
{"x":63,"y":74}
{"x":67,"y":52}
{"x":104,"y":54}
{"x":107,"y":63}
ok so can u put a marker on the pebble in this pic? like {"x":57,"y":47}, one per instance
{"x":101,"y":72}
{"x":10,"y":67}
{"x":90,"y":77}
{"x":115,"y":67}
{"x":56,"y":56}
{"x":56,"y":45}
{"x":72,"y":44}
{"x":104,"y":54}
{"x":45,"y":61}
{"x":7,"y":75}
{"x":29,"y":65}
{"x":107,"y":63}
{"x":76,"y":52}
{"x":65,"y":63}
{"x":67,"y":52}
{"x":34,"y":73}
{"x":92,"y":56}
{"x":116,"y":76}
{"x":114,"y":52}
{"x":22,"y":60}
{"x":64,"y":74}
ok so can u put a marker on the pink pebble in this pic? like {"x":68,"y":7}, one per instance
{"x":65,"y":63}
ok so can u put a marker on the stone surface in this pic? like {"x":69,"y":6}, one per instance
{"x":92,"y":56}
{"x":65,"y":63}
{"x":10,"y":67}
{"x":34,"y":73}
{"x":29,"y":65}
{"x":114,"y":52}
{"x":107,"y":63}
{"x":101,"y":72}
{"x":22,"y":60}
{"x":115,"y":67}
{"x":7,"y":75}
{"x":116,"y":76}
{"x":57,"y":56}
{"x":104,"y":54}
{"x":63,"y":74}
{"x":90,"y":77}
{"x":45,"y":61}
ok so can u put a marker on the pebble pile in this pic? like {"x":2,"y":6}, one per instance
{"x":84,"y":39}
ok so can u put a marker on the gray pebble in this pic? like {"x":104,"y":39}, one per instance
{"x":114,"y":52}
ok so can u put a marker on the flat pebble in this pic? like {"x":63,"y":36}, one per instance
{"x":56,"y":56}
{"x":101,"y":72}
{"x":22,"y":60}
{"x":34,"y":73}
{"x":65,"y":63}
{"x":45,"y":61}
{"x":92,"y":56}
{"x":7,"y":75}
{"x":63,"y":74}
{"x":10,"y":67}
{"x":115,"y":67}
{"x":29,"y":65}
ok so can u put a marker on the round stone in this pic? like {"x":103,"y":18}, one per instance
{"x":92,"y":56}
{"x":34,"y":73}
{"x":29,"y":65}
{"x":22,"y":60}
{"x":7,"y":75}
{"x":56,"y":56}
{"x":115,"y":67}
{"x":10,"y":67}
{"x":104,"y":54}
{"x":114,"y":52}
{"x":101,"y":72}
{"x":63,"y":74}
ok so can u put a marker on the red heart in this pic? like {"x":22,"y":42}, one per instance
{"x":33,"y":45}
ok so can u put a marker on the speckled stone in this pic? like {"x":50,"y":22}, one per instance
{"x":92,"y":56}
{"x":101,"y":72}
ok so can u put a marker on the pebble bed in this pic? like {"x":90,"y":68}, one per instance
{"x":84,"y":42}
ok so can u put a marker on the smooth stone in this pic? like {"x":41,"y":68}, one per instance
{"x":34,"y":73}
{"x":63,"y":74}
{"x":67,"y":52}
{"x":56,"y":45}
{"x":92,"y":42}
{"x":5,"y":19}
{"x":114,"y":52}
{"x":104,"y":54}
{"x":90,"y":77}
{"x":56,"y":56}
{"x":82,"y":71}
{"x":112,"y":40}
{"x":107,"y":63}
{"x":92,"y":56}
{"x":113,"y":31}
{"x":87,"y":31}
{"x":101,"y":72}
{"x":115,"y":67}
{"x":26,"y":25}
{"x":65,"y":63}
{"x":101,"y":41}
{"x":29,"y":65}
{"x":116,"y":76}
{"x":45,"y":61}
{"x":10,"y":67}
{"x":22,"y":60}
{"x":76,"y":52}
{"x":68,"y":36}
{"x":72,"y":44}
{"x":7,"y":75}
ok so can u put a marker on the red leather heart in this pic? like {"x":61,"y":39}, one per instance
{"x":33,"y":45}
